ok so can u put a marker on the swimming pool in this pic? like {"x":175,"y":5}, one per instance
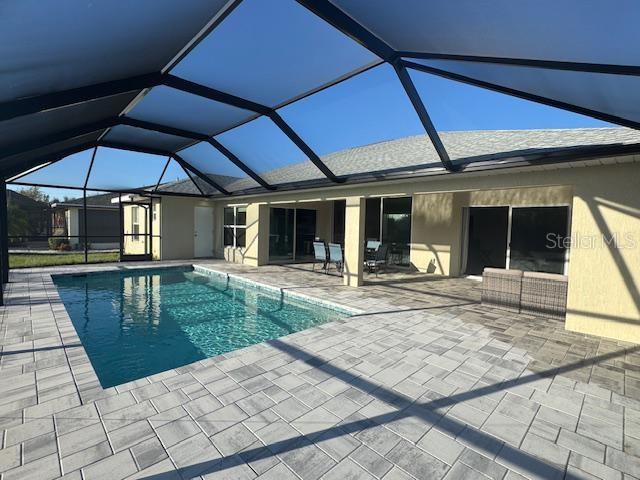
{"x":140,"y":322}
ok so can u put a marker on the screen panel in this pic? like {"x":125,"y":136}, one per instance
{"x":70,"y":171}
{"x":24,"y":161}
{"x":205,"y":187}
{"x":57,"y":120}
{"x":617,"y":95}
{"x":544,"y":29}
{"x":115,"y":169}
{"x":167,"y":106}
{"x":176,"y":180}
{"x":346,"y":123}
{"x":474,"y":121}
{"x":209,"y":160}
{"x":102,"y":225}
{"x":262,"y":146}
{"x":138,"y":137}
{"x":270,"y":52}
{"x":51,"y":221}
{"x":42,"y":42}
{"x":173,"y":172}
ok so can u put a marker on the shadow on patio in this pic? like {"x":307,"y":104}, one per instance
{"x":431,"y":413}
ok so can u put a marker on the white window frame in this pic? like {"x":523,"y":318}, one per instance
{"x":234,"y":226}
{"x":135,"y":223}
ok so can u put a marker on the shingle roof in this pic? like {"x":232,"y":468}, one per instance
{"x":102,"y":200}
{"x":417,"y":152}
{"x":187,"y":186}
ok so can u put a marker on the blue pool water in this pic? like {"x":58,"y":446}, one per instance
{"x":137,"y":323}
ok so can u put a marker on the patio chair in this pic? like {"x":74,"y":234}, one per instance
{"x":335,"y":257}
{"x":370,"y":250}
{"x":373,"y":244}
{"x":320,"y":255}
{"x":378,"y":260}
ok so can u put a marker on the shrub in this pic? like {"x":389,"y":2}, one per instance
{"x":59,"y":244}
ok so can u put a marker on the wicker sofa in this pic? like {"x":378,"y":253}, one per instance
{"x":534,"y":293}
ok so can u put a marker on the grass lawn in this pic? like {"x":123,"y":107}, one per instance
{"x":20,"y":260}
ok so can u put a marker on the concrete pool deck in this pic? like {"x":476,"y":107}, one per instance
{"x":425,"y":383}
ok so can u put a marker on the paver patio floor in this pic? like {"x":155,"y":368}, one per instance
{"x":425,"y":383}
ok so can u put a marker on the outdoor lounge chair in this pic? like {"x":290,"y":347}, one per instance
{"x":320,"y":255}
{"x":335,"y":257}
{"x":377,"y":260}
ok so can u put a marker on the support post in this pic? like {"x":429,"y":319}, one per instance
{"x":354,"y":241}
{"x":256,"y":252}
{"x":121,"y":219}
{"x":4,"y":232}
{"x":4,"y":235}
{"x":85,"y":217}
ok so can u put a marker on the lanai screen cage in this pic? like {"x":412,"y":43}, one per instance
{"x":242,"y":96}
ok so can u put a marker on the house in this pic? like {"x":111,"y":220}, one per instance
{"x":102,"y":217}
{"x":579,"y":216}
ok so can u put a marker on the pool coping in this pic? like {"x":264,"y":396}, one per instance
{"x":282,"y":292}
{"x":84,"y":375}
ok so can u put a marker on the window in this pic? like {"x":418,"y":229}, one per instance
{"x":235,"y":225}
{"x":539,"y":239}
{"x":135,"y":225}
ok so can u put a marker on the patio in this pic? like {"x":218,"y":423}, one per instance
{"x":424,"y":383}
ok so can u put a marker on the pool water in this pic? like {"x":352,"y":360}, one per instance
{"x":137,"y":323}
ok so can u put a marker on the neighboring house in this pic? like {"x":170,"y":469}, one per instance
{"x":579,"y":216}
{"x":103,"y":221}
{"x":29,"y":220}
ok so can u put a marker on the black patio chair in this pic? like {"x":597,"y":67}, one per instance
{"x":378,"y":259}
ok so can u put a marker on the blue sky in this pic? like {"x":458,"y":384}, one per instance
{"x":265,"y":65}
{"x":367,"y":109}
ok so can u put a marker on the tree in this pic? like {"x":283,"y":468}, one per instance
{"x":18,"y":224}
{"x":36,"y":194}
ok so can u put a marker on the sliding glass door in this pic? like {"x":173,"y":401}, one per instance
{"x":305,"y":234}
{"x":487,"y":238}
{"x":523,"y":238}
{"x":281,"y":225}
{"x":396,"y":229}
{"x":291,"y":234}
{"x":389,"y":220}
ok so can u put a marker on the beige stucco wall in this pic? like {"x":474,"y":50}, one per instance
{"x":604,"y":281}
{"x":256,"y":251}
{"x":436,"y":233}
{"x":177,"y":226}
{"x":437,"y":223}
